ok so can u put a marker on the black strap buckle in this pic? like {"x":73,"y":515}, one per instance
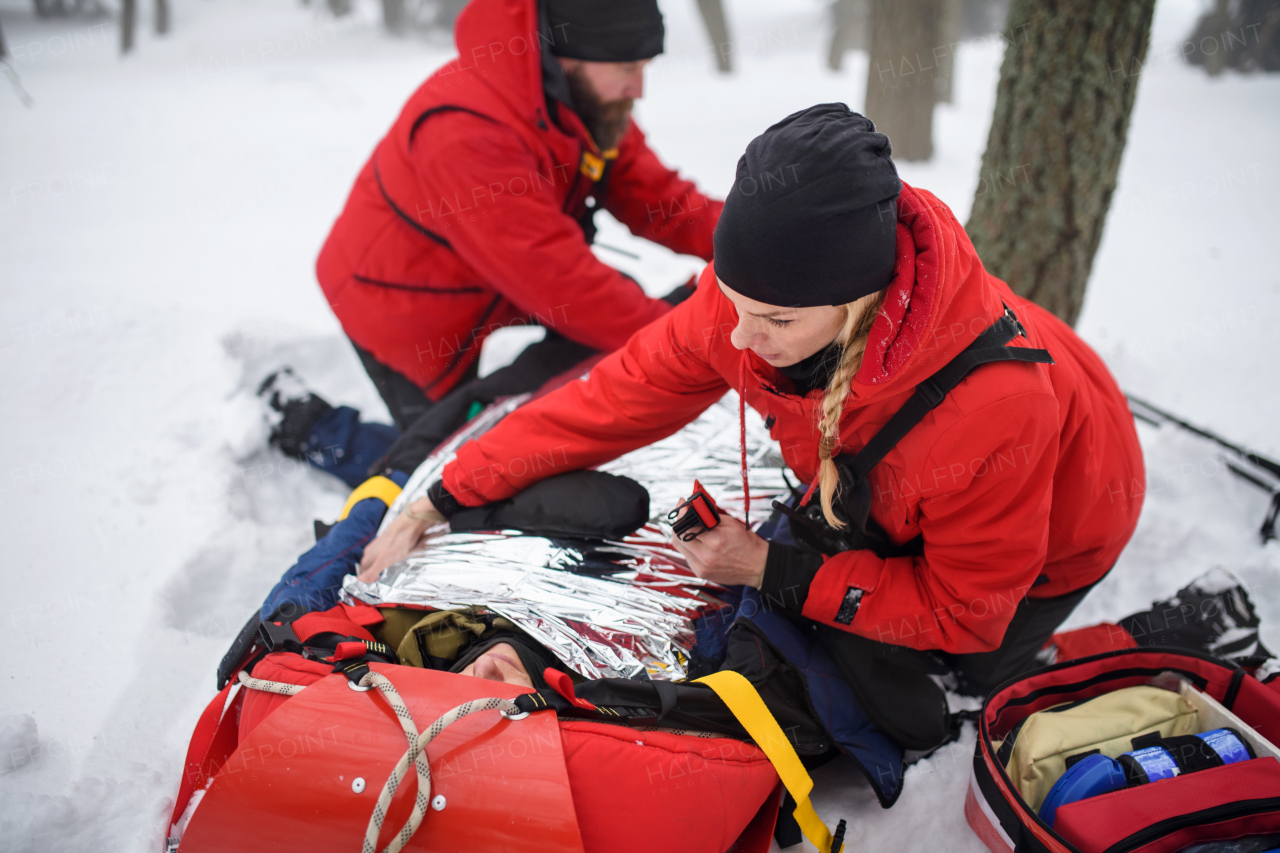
{"x":279,"y":636}
{"x":930,"y":392}
{"x":1008,"y":313}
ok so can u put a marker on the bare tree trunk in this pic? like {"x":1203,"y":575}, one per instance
{"x":848,"y":32}
{"x":948,"y":41}
{"x":717,"y":24}
{"x":448,"y":13}
{"x":1207,"y":31}
{"x":4,"y":51}
{"x":162,"y":17}
{"x":903,"y":74}
{"x":393,"y":16}
{"x":1061,"y":119}
{"x":128,"y":22}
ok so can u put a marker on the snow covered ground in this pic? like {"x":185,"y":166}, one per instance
{"x":159,"y":218}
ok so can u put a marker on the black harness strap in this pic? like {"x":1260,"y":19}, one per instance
{"x":987,"y":348}
{"x":597,"y":193}
{"x":854,"y":504}
{"x":668,"y":695}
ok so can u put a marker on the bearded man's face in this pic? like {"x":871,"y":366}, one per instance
{"x":603,"y":94}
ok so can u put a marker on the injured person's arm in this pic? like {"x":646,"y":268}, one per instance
{"x":398,"y":540}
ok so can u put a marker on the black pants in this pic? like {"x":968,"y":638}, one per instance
{"x":404,"y":400}
{"x":1034,"y":622}
{"x":893,"y":683}
{"x":537,"y":364}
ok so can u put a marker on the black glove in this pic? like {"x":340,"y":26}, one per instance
{"x":682,"y":291}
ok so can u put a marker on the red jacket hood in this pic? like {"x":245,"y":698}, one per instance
{"x":498,"y":41}
{"x":931,"y":311}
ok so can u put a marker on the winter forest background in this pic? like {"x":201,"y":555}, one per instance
{"x":161,"y":208}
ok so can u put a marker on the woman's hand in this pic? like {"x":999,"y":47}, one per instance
{"x":728,"y":553}
{"x":394,"y":544}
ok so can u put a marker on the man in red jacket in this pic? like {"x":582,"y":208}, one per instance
{"x":475,"y":211}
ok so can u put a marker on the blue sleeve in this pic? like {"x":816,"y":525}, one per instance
{"x":313,"y":582}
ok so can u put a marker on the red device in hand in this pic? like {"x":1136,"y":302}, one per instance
{"x":702,"y":515}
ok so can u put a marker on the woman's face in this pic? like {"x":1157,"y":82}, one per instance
{"x":782,"y":336}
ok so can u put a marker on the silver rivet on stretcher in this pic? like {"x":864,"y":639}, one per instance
{"x":437,"y":802}
{"x":357,"y":688}
{"x":357,"y":784}
{"x":520,"y":716}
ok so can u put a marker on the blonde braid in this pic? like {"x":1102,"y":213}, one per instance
{"x":860,"y":315}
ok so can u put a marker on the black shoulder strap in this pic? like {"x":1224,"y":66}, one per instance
{"x":595,"y":202}
{"x":987,"y":348}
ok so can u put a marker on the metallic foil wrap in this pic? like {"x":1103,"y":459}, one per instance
{"x":606,"y":609}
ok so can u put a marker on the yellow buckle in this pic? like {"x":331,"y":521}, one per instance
{"x":592,"y":166}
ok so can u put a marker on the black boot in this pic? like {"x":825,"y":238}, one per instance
{"x":294,"y":411}
{"x":1211,"y":614}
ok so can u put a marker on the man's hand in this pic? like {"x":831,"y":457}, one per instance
{"x":727,"y":554}
{"x":397,"y":541}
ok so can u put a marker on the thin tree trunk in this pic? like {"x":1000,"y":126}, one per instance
{"x":948,"y":41}
{"x":903,"y":73}
{"x":1066,"y":92}
{"x":162,"y":17}
{"x":393,"y":16}
{"x":447,"y":14}
{"x":717,"y":24}
{"x":1207,"y":31}
{"x":4,"y":51}
{"x":848,"y":31}
{"x":128,"y":21}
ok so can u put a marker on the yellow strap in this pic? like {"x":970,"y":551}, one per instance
{"x":379,"y":487}
{"x":749,"y":708}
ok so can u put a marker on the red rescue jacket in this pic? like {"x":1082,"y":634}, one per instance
{"x":465,"y":219}
{"x":1026,"y":479}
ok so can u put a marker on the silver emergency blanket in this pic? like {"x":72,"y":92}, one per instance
{"x":606,"y":609}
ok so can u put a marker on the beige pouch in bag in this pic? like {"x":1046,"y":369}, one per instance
{"x":1108,"y":723}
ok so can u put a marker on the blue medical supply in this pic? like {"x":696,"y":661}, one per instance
{"x":1228,"y":744}
{"x":1094,"y":775}
{"x":1088,"y":777}
{"x":1149,"y":765}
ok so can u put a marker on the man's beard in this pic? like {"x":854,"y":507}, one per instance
{"x":606,"y":121}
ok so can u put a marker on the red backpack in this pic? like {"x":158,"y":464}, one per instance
{"x":1217,"y":804}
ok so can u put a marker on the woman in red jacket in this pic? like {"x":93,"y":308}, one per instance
{"x":837,"y":296}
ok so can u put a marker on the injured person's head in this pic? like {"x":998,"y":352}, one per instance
{"x":499,"y":663}
{"x":508,"y":657}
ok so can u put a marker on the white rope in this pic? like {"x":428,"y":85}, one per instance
{"x":416,"y":754}
{"x":269,"y":686}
